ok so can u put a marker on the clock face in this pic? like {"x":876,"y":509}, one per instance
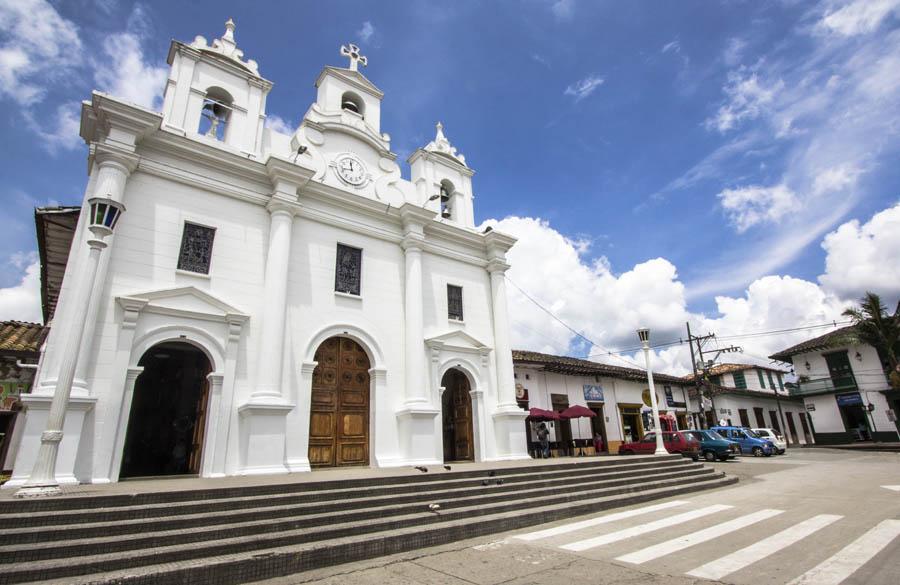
{"x":350,"y":169}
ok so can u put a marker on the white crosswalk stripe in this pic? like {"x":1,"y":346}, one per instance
{"x":644,"y":528}
{"x":591,"y":522}
{"x":744,"y":557}
{"x":683,"y":542}
{"x":846,"y":562}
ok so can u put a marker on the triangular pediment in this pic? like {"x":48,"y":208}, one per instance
{"x":458,"y":340}
{"x":187,"y":301}
{"x":351,"y":77}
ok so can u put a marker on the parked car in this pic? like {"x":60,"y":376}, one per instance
{"x":714,"y":446}
{"x":750,"y":442}
{"x":674,"y":442}
{"x":774,"y":437}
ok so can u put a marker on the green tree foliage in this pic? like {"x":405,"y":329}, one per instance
{"x":878,"y":328}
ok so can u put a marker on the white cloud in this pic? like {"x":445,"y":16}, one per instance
{"x":859,"y":16}
{"x":62,"y":132}
{"x":366,"y":32}
{"x":37,"y":45}
{"x":22,"y":302}
{"x":279,"y":124}
{"x":584,"y":87}
{"x":607,"y":307}
{"x":563,"y":9}
{"x":734,"y":51}
{"x":748,"y":97}
{"x":749,"y":206}
{"x":125,"y":74}
{"x":864,"y":257}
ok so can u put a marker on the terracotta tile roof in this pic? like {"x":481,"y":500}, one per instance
{"x":581,"y":367}
{"x":719,"y":369}
{"x":18,"y":338}
{"x":842,"y":336}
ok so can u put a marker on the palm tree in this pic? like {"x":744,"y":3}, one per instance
{"x":876,"y":327}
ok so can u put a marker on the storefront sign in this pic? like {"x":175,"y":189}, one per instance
{"x":851,"y":399}
{"x":645,"y":396}
{"x":593,"y":393}
{"x":670,"y":398}
{"x":810,"y":407}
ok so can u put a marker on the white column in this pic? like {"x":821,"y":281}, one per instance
{"x":414,"y":332}
{"x":271,"y":343}
{"x":43,"y":476}
{"x":113,"y":173}
{"x":506,"y":386}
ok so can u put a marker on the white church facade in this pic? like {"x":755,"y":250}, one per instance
{"x":271,"y":303}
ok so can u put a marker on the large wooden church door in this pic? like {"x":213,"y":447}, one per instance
{"x":339,"y":413}
{"x":456,"y":406}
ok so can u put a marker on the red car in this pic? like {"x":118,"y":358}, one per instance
{"x":674,"y":442}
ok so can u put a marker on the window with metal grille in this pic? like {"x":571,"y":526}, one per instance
{"x":739,"y":380}
{"x":454,"y":302}
{"x":348,"y":270}
{"x":196,"y":248}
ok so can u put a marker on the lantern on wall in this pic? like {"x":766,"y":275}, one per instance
{"x":104,"y":215}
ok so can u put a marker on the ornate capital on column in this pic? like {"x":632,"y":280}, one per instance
{"x":413,"y":242}
{"x":110,"y":156}
{"x":497,"y":265}
{"x":277,"y":205}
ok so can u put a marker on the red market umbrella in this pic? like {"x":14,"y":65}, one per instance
{"x":539,"y":414}
{"x":577,"y":411}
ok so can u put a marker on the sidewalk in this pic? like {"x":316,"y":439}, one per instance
{"x":863,"y":446}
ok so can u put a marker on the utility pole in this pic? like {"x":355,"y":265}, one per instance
{"x":700,"y":381}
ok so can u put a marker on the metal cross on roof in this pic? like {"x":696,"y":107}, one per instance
{"x":352,"y":51}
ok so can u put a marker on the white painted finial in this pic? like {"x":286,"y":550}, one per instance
{"x":440,"y":133}
{"x":229,"y":30}
{"x":352,"y":52}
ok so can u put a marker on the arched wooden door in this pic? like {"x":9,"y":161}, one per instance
{"x":339,"y":412}
{"x":167,"y":421}
{"x":456,"y":406}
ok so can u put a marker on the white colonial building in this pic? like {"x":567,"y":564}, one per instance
{"x":269,"y":303}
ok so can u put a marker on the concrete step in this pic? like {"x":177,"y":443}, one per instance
{"x":438,"y":474}
{"x":253,"y":565}
{"x":139,"y":550}
{"x":342,"y":499}
{"x":50,"y":542}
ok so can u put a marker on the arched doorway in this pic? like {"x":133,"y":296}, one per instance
{"x":168,"y":412}
{"x":456,"y":406}
{"x":339,"y":411}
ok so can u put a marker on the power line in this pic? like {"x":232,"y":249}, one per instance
{"x":567,"y":326}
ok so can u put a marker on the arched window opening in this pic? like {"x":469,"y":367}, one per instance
{"x":447,"y":190}
{"x":215,"y":114}
{"x":353,"y":103}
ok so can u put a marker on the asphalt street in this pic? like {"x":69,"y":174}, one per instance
{"x":813,"y":516}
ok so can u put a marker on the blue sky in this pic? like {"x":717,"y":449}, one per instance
{"x":726,"y":139}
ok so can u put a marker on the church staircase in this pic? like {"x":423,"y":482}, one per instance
{"x":242,"y":534}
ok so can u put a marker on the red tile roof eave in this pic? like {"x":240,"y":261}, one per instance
{"x":576,"y":366}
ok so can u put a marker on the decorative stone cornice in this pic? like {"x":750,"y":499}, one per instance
{"x":497,"y":265}
{"x":286,"y":176}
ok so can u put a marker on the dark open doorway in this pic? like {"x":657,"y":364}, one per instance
{"x":168,"y":412}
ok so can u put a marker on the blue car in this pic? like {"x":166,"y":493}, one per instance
{"x":750,"y":442}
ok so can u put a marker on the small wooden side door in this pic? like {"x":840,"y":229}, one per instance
{"x":199,"y":428}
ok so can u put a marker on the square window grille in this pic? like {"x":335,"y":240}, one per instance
{"x":196,"y":248}
{"x":348,"y":270}
{"x":454,"y":302}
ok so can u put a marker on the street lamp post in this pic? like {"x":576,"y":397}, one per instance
{"x":644,"y":336}
{"x":104,"y":213}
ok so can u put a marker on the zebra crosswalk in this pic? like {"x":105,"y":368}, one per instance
{"x":620,"y":531}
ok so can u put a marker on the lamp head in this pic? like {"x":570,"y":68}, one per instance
{"x":104,"y":215}
{"x":644,"y":335}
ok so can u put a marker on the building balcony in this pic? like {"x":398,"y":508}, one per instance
{"x":823,"y":386}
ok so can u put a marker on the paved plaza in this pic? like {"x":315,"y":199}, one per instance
{"x":814,"y":516}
